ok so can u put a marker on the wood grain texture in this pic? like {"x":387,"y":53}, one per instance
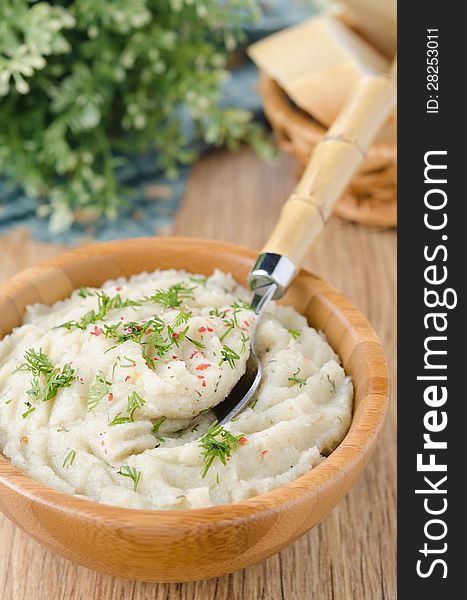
{"x":351,"y":553}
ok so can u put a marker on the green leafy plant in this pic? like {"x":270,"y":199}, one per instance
{"x":83,"y":81}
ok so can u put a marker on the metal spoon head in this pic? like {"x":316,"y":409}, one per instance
{"x":242,"y":393}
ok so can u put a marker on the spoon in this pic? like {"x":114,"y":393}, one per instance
{"x":332,"y":164}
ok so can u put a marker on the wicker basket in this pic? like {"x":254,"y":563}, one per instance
{"x":371,"y":198}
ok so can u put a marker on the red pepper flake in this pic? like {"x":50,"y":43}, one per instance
{"x":127,"y":378}
{"x":242,"y":440}
{"x":174,"y":357}
{"x":203,"y":384}
{"x":118,"y":289}
{"x":122,"y":318}
{"x":194,"y":353}
{"x":175,"y":335}
{"x":200,"y":376}
{"x":110,"y":397}
{"x":210,"y":329}
{"x":96,"y":331}
{"x":264,"y":453}
{"x":247,"y":323}
{"x":202,"y":329}
{"x":203,"y":367}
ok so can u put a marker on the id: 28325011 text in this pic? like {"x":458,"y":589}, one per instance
{"x":432,"y":71}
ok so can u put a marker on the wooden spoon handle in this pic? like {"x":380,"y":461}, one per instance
{"x":332,"y":164}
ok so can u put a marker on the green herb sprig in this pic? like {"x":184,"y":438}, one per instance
{"x":46,"y":379}
{"x":85,"y":293}
{"x":132,"y":473}
{"x":97,"y":391}
{"x":229,"y":356}
{"x":69,"y":459}
{"x":201,"y":281}
{"x":295,"y":333}
{"x":173,"y":296}
{"x":297,"y":380}
{"x":134,"y":402}
{"x":155,"y":428}
{"x":105,"y":303}
{"x":217,"y":443}
{"x":182,"y":318}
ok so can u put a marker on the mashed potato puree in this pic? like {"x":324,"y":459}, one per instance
{"x":107,"y":394}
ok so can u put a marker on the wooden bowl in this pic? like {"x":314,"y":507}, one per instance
{"x":202,"y":543}
{"x":371,"y":198}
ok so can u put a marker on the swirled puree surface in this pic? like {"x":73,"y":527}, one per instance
{"x":106,"y":394}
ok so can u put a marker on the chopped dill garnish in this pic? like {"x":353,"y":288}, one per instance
{"x":295,"y":333}
{"x":57,"y":379}
{"x":39,"y":365}
{"x":148,"y":332}
{"x":36,"y":362}
{"x":119,"y":419}
{"x":173,"y":296}
{"x":229,"y":356}
{"x":230,"y":323}
{"x":181,"y":318}
{"x":134,"y":402}
{"x":242,"y":304}
{"x":86,"y":319}
{"x":199,"y":280}
{"x":245,"y":340}
{"x":150,"y":362}
{"x":216,"y":312}
{"x":155,"y":428}
{"x":30,"y":409}
{"x":195,"y":342}
{"x":132,"y":473}
{"x":217,"y":443}
{"x":34,"y":391}
{"x":333,"y":383}
{"x":84,"y":292}
{"x":98,"y":390}
{"x":69,"y":459}
{"x":105,"y":303}
{"x":297,"y":380}
{"x":131,"y":363}
{"x":227,"y":331}
{"x":176,"y":336}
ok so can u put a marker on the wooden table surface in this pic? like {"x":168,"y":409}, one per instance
{"x":351,"y":554}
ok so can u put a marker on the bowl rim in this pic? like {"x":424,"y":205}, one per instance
{"x":361,"y":436}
